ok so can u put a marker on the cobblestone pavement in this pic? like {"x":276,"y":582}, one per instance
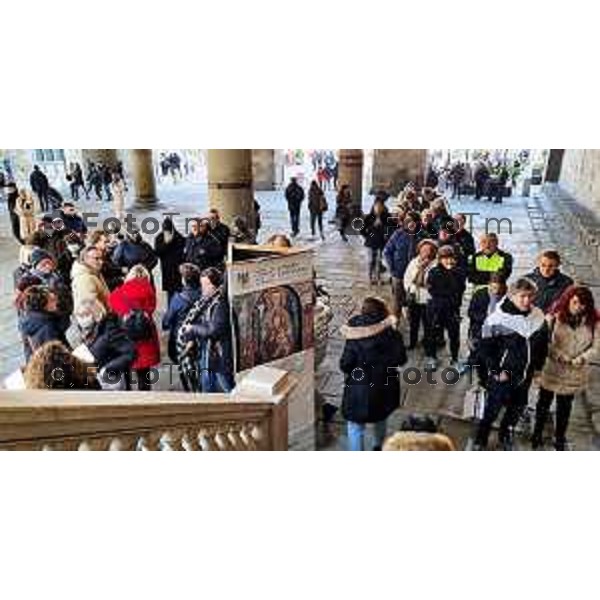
{"x":342,"y":269}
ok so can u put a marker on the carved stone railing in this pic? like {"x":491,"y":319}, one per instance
{"x":124,"y":421}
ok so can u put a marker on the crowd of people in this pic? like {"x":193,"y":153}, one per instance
{"x":92,"y":296}
{"x":481,"y":178}
{"x":541,"y":326}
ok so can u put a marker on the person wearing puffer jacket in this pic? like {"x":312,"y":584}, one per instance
{"x":138,"y":294}
{"x":40,"y":321}
{"x":514,"y":347}
{"x":397,"y":254}
{"x":373,"y":354}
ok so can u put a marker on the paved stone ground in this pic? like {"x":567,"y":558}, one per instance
{"x":342,"y":269}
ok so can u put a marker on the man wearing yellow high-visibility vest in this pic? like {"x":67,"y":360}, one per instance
{"x":490,"y":259}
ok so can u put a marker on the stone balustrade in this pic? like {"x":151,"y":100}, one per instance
{"x":127,"y":421}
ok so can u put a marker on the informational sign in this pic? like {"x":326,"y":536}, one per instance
{"x":272,"y":299}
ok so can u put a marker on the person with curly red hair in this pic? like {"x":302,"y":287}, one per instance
{"x":575,"y":342}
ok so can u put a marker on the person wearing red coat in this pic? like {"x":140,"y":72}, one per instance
{"x":135,"y":300}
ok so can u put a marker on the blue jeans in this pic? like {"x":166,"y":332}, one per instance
{"x":216,"y":383}
{"x":356,"y":435}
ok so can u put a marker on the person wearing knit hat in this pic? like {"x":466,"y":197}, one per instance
{"x":42,"y":261}
{"x":415,"y":285}
{"x":446,"y":284}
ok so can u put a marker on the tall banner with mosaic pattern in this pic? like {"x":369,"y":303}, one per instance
{"x":272,"y":300}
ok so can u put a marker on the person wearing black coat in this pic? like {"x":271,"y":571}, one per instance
{"x":12,"y":194}
{"x":180,"y":304}
{"x":169,"y":247}
{"x":41,"y":186}
{"x":106,"y":341}
{"x":220,"y":231}
{"x":294,"y":194}
{"x":483,"y":303}
{"x":514,"y":346}
{"x":132,"y":251}
{"x":376,"y":231}
{"x":373,"y":354}
{"x":202,"y":248}
{"x":482,"y":177}
{"x":446,"y":284}
{"x":40,"y":321}
{"x":551,"y":283}
{"x":207,"y":329}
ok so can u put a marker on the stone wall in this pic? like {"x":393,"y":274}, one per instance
{"x":263,"y":170}
{"x":393,"y":169}
{"x":580,"y":176}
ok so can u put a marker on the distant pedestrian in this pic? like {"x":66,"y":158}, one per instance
{"x":294,"y":194}
{"x":317,"y":206}
{"x":169,"y":247}
{"x":41,"y":186}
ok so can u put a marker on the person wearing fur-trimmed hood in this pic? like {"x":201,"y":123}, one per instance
{"x":514,"y":346}
{"x":373,"y":353}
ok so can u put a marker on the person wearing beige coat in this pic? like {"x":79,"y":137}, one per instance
{"x":25,"y":210}
{"x":575,"y":343}
{"x":87,"y":280}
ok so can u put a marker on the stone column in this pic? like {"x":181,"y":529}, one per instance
{"x":393,"y":169}
{"x":230,"y":184}
{"x":263,"y":170}
{"x":107,"y":157}
{"x":142,"y":170}
{"x":351,"y":173}
{"x":554,"y":166}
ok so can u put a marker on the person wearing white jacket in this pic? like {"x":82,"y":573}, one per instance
{"x":416,"y":288}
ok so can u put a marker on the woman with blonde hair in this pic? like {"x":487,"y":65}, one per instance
{"x":98,"y":338}
{"x":135,"y":302}
{"x":410,"y":441}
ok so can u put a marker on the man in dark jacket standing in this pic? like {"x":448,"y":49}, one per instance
{"x":169,"y":246}
{"x":373,"y":354}
{"x":551,"y":283}
{"x":398,"y":252}
{"x":132,"y":251}
{"x":220,"y":231}
{"x":294,"y":194}
{"x":514,"y":347}
{"x":446,"y":285}
{"x":202,"y":248}
{"x":41,"y":186}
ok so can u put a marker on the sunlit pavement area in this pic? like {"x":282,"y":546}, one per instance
{"x":342,"y":269}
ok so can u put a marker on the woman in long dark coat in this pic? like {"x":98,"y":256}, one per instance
{"x":169,"y":246}
{"x":373,"y":353}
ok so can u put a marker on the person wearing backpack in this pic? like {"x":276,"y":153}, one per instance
{"x":180,"y":304}
{"x":135,"y":303}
